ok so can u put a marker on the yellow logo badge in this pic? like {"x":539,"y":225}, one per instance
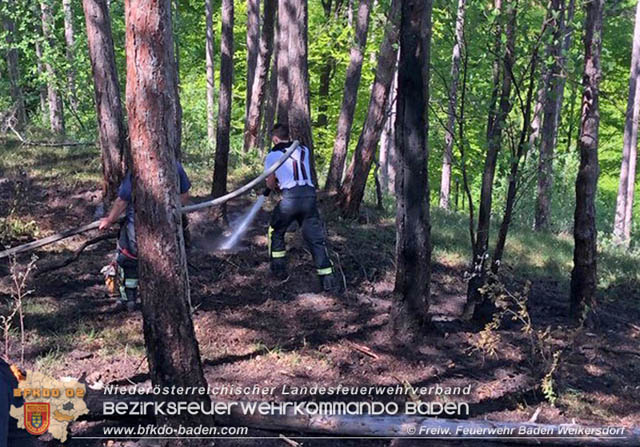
{"x":36,"y":417}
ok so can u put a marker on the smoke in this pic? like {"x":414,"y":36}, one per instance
{"x":241,"y":226}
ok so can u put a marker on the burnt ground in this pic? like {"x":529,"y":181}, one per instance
{"x":253,"y":329}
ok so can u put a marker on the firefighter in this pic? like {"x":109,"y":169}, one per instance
{"x":298,"y":204}
{"x":127,"y":248}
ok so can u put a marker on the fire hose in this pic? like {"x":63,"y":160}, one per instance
{"x":187,"y":209}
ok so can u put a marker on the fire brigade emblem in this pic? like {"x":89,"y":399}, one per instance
{"x":36,"y":417}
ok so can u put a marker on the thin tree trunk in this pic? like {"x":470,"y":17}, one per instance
{"x":516,"y":159}
{"x":172,"y":349}
{"x":445,"y":180}
{"x":387,"y":141}
{"x":224,"y":102}
{"x":13,"y":67}
{"x":109,"y":113}
{"x":624,"y":202}
{"x":413,"y":226}
{"x":550,"y":116}
{"x":284,"y":89}
{"x":584,"y":274}
{"x":253,"y":46}
{"x":355,"y":181}
{"x":70,"y":40}
{"x":42,"y":89}
{"x":56,"y":114}
{"x":211,"y":88}
{"x":326,"y":72}
{"x":350,"y":97}
{"x":269,"y":107}
{"x":252,"y":123}
{"x":496,"y":122}
{"x":299,"y":110}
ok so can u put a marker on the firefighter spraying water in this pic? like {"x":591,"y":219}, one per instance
{"x":241,"y":226}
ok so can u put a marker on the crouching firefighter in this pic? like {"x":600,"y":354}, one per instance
{"x":298,"y":204}
{"x":126,"y":261}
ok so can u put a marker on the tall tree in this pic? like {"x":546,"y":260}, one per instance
{"x":413,"y":227}
{"x":56,"y":113}
{"x":253,"y":34}
{"x":584,"y":273}
{"x":299,"y":107}
{"x":224,"y":101}
{"x":211,"y":88}
{"x":355,"y":180}
{"x":624,"y":202}
{"x":282,"y":53}
{"x":172,"y":349}
{"x":550,"y":113}
{"x":349,"y":99}
{"x":252,"y":123}
{"x":499,"y":108}
{"x":387,"y":141}
{"x":42,"y":89}
{"x":70,"y":40}
{"x":328,"y":67}
{"x":13,"y":65}
{"x":270,"y":107}
{"x":109,"y":113}
{"x":445,"y":181}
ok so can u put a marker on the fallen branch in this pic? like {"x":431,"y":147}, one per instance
{"x":363,"y":349}
{"x":75,"y":255}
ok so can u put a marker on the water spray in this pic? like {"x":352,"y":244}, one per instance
{"x":242,"y":225}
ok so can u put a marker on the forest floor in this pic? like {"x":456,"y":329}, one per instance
{"x":254,"y":330}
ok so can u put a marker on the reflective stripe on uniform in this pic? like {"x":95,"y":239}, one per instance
{"x":130,"y":283}
{"x":278,"y":254}
{"x":269,"y":232}
{"x":325,"y":271}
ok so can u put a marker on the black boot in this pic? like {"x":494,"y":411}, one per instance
{"x":279,"y":268}
{"x":330,"y":283}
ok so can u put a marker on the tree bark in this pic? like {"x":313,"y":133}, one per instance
{"x":445,"y":180}
{"x":109,"y":113}
{"x":224,"y":102}
{"x":300,"y":110}
{"x":42,"y":89}
{"x":496,"y":122}
{"x":355,"y":180}
{"x":13,"y":66}
{"x":56,"y":114}
{"x":584,"y":274}
{"x":254,"y":114}
{"x":387,"y":141}
{"x":253,"y":46}
{"x":550,"y":115}
{"x":326,"y":72}
{"x":70,"y":40}
{"x":172,"y":349}
{"x":284,"y":89}
{"x":350,"y":97}
{"x":413,"y":227}
{"x":269,"y":107}
{"x":624,"y":202}
{"x":211,"y":88}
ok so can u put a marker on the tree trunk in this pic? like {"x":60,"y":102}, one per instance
{"x":284,"y":89}
{"x":56,"y":114}
{"x":355,"y":181}
{"x":445,"y":180}
{"x":326,"y":72}
{"x":624,"y":202}
{"x":211,"y":88}
{"x":13,"y":66}
{"x":172,"y":349}
{"x":387,"y":141}
{"x":299,"y":110}
{"x":496,"y":122}
{"x":224,"y":102}
{"x":269,"y":108}
{"x":70,"y":40}
{"x":253,"y":46}
{"x":413,"y":227}
{"x":42,"y":89}
{"x":351,"y":84}
{"x":252,"y":123}
{"x":583,"y":276}
{"x":109,"y":113}
{"x":550,"y":115}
